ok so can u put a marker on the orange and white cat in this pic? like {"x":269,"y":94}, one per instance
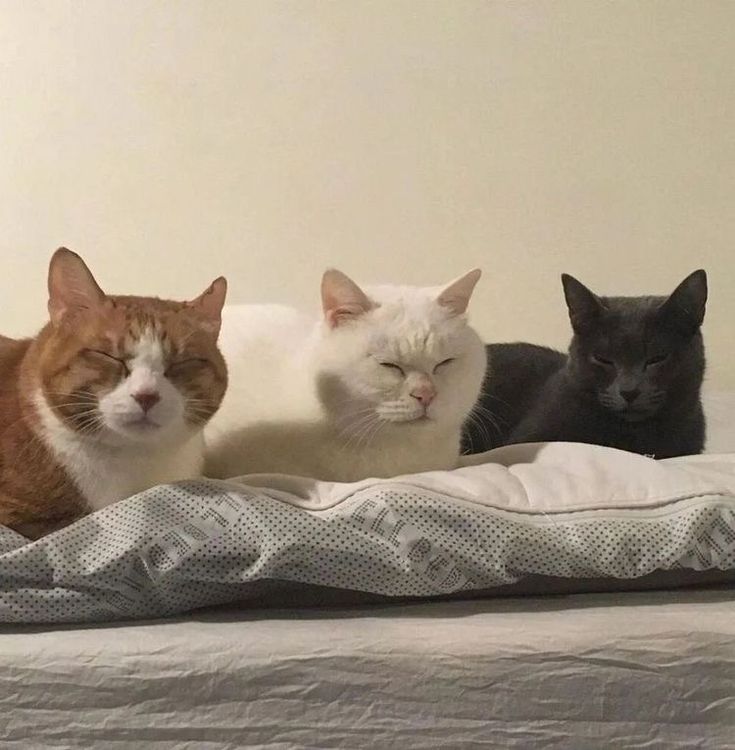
{"x":108,"y":400}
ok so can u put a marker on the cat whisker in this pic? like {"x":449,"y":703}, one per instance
{"x":373,"y":432}
{"x":200,"y":414}
{"x":201,"y":410}
{"x":350,"y":417}
{"x":356,"y":427}
{"x":90,"y":426}
{"x":79,"y":395}
{"x":363,"y":429}
{"x":381,"y":426}
{"x":364,"y":442}
{"x":82,"y":415}
{"x":492,"y":396}
{"x":479,"y":409}
{"x":482,"y":427}
{"x":350,"y":421}
{"x":71,"y":406}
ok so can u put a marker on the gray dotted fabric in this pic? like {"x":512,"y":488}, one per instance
{"x":176,"y":548}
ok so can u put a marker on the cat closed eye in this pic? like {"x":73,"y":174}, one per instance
{"x":107,"y":358}
{"x":392,"y":366}
{"x":186,"y":365}
{"x":657,"y":360}
{"x":444,"y":362}
{"x":597,"y":359}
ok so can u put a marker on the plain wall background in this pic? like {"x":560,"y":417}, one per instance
{"x":169,"y":142}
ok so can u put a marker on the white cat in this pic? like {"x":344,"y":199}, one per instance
{"x":380,"y":386}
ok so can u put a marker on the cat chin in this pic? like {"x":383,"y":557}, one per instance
{"x":142,"y":433}
{"x":631,"y":415}
{"x":635,"y":416}
{"x":415,"y":423}
{"x":405,"y":418}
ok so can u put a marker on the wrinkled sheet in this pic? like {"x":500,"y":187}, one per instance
{"x":557,"y":510}
{"x":640,"y":670}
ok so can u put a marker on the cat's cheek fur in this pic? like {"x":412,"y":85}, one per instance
{"x":104,"y":474}
{"x":121,"y":414}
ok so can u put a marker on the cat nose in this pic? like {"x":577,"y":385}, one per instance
{"x":630,"y":394}
{"x":146,"y":400}
{"x":424,"y":394}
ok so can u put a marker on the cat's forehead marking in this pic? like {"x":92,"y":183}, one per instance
{"x":129,"y":332}
{"x":148,"y":351}
{"x":414,"y":329}
{"x":417,"y":344}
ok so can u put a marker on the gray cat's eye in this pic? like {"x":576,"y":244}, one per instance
{"x":657,"y":360}
{"x":597,"y":359}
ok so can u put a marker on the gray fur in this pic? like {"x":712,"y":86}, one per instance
{"x":611,"y":389}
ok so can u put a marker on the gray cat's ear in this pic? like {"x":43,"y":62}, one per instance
{"x":686,"y":306}
{"x":584,"y":306}
{"x":457,"y":295}
{"x":342,"y":299}
{"x":71,"y":286}
{"x":209,"y":305}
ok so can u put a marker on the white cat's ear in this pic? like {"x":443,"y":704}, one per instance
{"x":342,"y":299}
{"x":686,"y":306}
{"x":457,"y":295}
{"x":71,"y":286}
{"x":209,"y":304}
{"x":584,"y":306}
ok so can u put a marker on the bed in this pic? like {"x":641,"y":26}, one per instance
{"x":653,"y":669}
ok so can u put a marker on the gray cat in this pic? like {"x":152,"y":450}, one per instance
{"x":632,"y":378}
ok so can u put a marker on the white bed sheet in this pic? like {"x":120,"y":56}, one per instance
{"x":653,"y":670}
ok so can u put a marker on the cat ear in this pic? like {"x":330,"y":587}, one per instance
{"x":71,"y":286}
{"x":457,"y":295}
{"x":584,"y":305}
{"x":342,"y":299}
{"x":686,"y":305}
{"x":209,"y":305}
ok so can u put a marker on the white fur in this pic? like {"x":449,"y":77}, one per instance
{"x":124,"y":418}
{"x":132,"y":451}
{"x":308,"y":399}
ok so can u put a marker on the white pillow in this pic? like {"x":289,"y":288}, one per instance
{"x":556,"y":510}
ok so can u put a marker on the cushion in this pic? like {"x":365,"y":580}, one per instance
{"x":535,"y":513}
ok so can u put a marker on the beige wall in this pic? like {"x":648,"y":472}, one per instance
{"x":169,"y":142}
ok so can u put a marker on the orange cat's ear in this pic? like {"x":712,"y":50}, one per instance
{"x":342,"y":299}
{"x":457,"y":295}
{"x":71,"y":286}
{"x":209,"y":305}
